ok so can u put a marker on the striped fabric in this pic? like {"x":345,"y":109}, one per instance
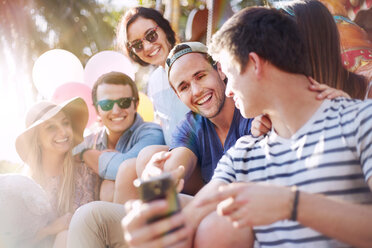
{"x":331,"y":155}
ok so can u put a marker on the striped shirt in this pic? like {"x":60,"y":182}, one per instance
{"x":330,"y":155}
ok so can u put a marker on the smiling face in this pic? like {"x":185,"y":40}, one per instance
{"x":154,"y":53}
{"x":55,"y":135}
{"x":116,"y":120}
{"x":198,"y":84}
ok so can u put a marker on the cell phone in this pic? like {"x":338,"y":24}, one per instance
{"x":161,"y":187}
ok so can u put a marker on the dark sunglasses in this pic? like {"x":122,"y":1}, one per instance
{"x":151,"y":36}
{"x":123,"y":103}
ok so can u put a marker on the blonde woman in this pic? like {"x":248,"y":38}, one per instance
{"x":45,"y":146}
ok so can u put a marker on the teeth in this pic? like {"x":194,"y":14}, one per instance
{"x":204,"y":99}
{"x":117,"y":119}
{"x":154,"y":52}
{"x":61,"y":140}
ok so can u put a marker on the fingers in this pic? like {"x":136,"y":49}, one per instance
{"x":313,"y":81}
{"x":260,"y":125}
{"x":180,"y":185}
{"x":137,"y":232}
{"x":160,"y":156}
{"x":223,"y":193}
{"x":178,"y":173}
{"x":326,"y":92}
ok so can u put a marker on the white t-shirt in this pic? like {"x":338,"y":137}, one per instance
{"x":168,"y":108}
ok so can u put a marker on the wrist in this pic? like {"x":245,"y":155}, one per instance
{"x":294,"y":206}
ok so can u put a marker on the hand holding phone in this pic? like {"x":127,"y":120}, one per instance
{"x":160,"y":187}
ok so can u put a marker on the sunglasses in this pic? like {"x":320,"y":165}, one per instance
{"x":151,"y":36}
{"x":123,"y":103}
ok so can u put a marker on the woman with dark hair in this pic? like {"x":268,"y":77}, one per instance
{"x":147,"y":37}
{"x":322,"y":41}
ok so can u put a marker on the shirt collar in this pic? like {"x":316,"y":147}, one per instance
{"x":102,"y":136}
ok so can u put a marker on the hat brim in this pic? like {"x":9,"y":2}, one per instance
{"x":76,"y":109}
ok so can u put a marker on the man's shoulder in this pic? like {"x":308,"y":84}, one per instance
{"x":192,"y":119}
{"x":350,"y":108}
{"x":341,"y":103}
{"x":147,"y":126}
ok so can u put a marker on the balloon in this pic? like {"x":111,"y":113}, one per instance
{"x":145,"y":107}
{"x":54,"y":68}
{"x":104,"y":62}
{"x":69,"y":90}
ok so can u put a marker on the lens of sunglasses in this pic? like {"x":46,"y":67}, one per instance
{"x":151,"y":37}
{"x":123,"y":103}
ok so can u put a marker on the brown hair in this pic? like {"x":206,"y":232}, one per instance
{"x":322,"y":41}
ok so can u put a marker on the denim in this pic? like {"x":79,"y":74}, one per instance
{"x":132,"y":141}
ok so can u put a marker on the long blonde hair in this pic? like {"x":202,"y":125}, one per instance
{"x":66,"y":191}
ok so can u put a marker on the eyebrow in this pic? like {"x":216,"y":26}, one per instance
{"x":193,"y":76}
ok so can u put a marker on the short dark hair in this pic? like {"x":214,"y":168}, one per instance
{"x":130,"y":16}
{"x":267,"y":32}
{"x":117,"y":78}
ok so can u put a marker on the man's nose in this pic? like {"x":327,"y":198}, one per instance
{"x":196,"y":89}
{"x":116,"y":108}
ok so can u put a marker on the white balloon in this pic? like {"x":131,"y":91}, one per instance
{"x":104,"y":62}
{"x":54,"y":68}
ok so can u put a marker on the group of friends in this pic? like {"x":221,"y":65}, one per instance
{"x":267,"y":135}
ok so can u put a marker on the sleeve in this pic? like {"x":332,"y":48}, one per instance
{"x":87,"y":143}
{"x":225,"y":168}
{"x":109,"y":162}
{"x":357,"y":128}
{"x":364,"y":138}
{"x":186,"y":136}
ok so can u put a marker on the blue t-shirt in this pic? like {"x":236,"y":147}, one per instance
{"x":198,"y":134}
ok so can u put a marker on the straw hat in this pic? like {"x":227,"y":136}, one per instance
{"x":76,"y":109}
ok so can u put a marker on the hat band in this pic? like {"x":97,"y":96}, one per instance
{"x":177,"y":55}
{"x":44,"y":111}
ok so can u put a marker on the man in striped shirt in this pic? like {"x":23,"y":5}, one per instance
{"x":308,"y":182}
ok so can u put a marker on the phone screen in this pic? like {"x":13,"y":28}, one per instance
{"x":156,"y":188}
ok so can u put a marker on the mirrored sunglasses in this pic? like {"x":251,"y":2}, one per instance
{"x":151,"y":36}
{"x":123,"y":103}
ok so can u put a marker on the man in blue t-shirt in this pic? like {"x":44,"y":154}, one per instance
{"x":211,"y":127}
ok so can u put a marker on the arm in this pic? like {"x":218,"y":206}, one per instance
{"x":170,"y":161}
{"x":109,"y":162}
{"x":252,"y":204}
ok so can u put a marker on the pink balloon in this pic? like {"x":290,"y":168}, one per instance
{"x":69,"y":90}
{"x":104,"y":62}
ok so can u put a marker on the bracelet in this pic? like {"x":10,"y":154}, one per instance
{"x":295,"y":203}
{"x":82,"y":153}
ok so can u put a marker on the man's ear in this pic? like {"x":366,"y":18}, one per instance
{"x":219,"y":70}
{"x":257,"y":62}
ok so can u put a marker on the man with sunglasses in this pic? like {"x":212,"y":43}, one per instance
{"x":124,"y":133}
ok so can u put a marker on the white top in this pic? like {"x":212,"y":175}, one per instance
{"x":168,"y":108}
